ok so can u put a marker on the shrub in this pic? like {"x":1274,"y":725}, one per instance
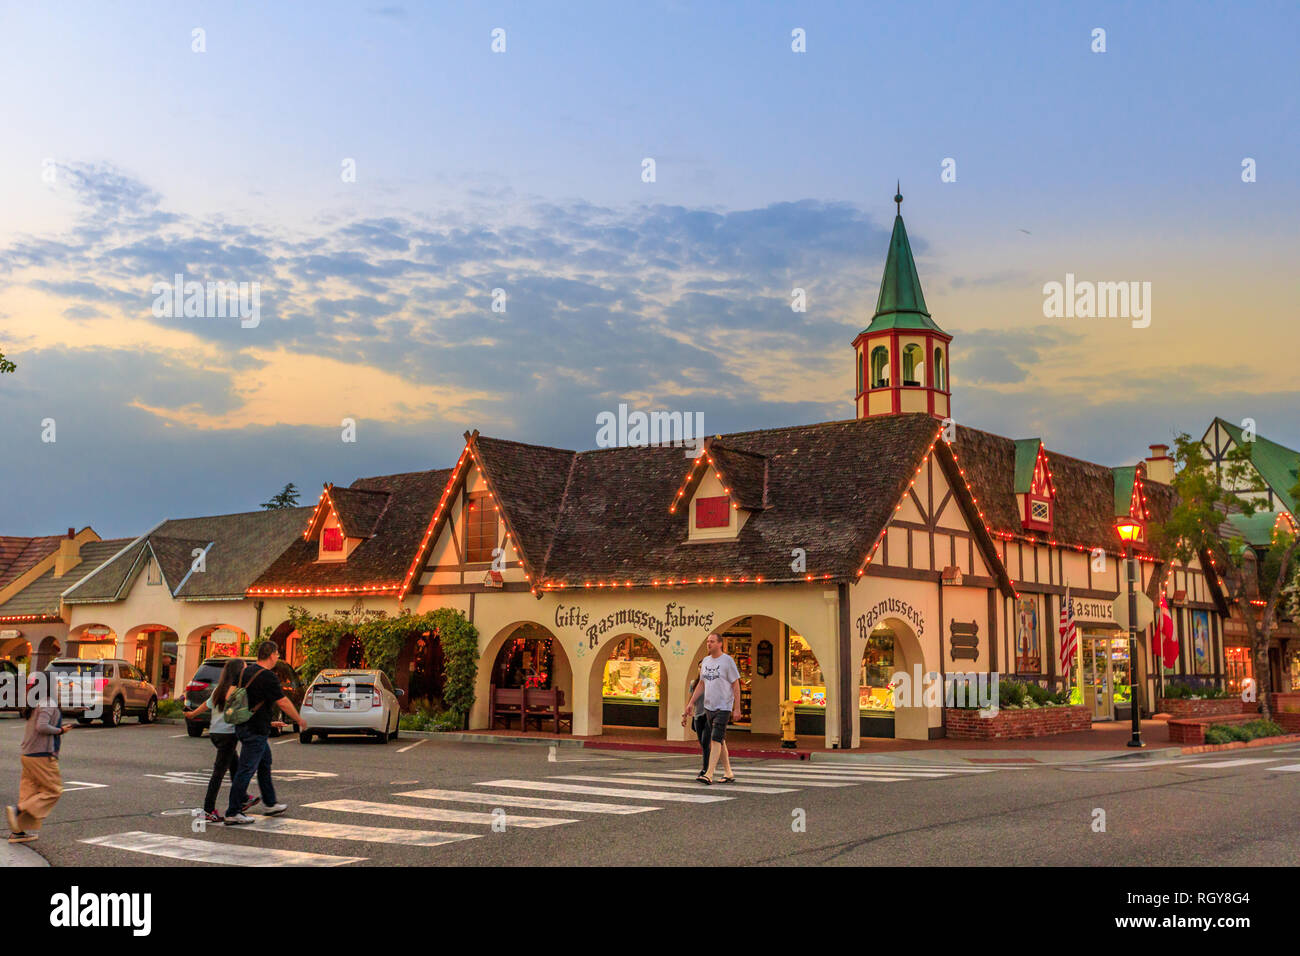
{"x":170,"y":708}
{"x":1251,"y":730}
{"x":1194,"y":687}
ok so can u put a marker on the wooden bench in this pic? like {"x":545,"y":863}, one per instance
{"x":1191,"y":730}
{"x":529,"y":704}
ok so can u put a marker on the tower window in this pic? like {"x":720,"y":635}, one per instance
{"x":879,"y":367}
{"x":940,"y":376}
{"x":913,"y":365}
{"x":859,"y":364}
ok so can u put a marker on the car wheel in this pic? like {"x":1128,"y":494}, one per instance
{"x":114,"y":716}
{"x":194,"y":730}
{"x":381,"y":736}
{"x":304,"y":737}
{"x":151,"y":712}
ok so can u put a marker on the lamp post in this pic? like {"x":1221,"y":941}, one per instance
{"x":1130,"y":530}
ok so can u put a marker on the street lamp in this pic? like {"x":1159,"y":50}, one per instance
{"x":1130,"y":531}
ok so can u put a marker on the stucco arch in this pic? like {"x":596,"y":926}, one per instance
{"x":563,"y":679}
{"x":596,"y":676}
{"x":910,"y":722}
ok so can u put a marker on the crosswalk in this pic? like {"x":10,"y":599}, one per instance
{"x":1186,"y":763}
{"x":435,"y":817}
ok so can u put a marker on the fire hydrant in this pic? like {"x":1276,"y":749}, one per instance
{"x":787,"y":724}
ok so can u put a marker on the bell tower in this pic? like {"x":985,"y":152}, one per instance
{"x":902,"y":356}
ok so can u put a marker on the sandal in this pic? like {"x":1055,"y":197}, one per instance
{"x":731,"y":779}
{"x":705,"y":780}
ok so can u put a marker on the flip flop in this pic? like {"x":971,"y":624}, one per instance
{"x":731,"y":779}
{"x":705,"y":780}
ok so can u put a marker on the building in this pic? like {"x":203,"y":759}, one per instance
{"x":831,"y":557}
{"x":177,"y":593}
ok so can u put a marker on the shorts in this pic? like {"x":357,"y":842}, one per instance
{"x":717,"y":721}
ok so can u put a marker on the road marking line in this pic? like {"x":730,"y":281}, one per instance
{"x":432,"y":813}
{"x":289,"y":741}
{"x":531,"y":803}
{"x":1240,"y":762}
{"x":209,"y":851}
{"x":626,"y":778}
{"x":842,"y":774}
{"x":546,"y":785}
{"x":780,"y":776}
{"x":348,"y":831}
{"x":770,"y":781}
{"x":71,"y":786}
{"x":402,"y":750}
{"x":1295,"y":767}
{"x":174,"y":736}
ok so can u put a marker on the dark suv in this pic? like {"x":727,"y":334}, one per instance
{"x":205,"y":681}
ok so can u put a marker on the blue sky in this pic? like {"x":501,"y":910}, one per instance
{"x":522,"y":170}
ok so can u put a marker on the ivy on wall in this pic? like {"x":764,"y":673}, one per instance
{"x":382,"y":640}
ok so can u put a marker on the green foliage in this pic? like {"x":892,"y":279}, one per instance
{"x":1250,"y":730}
{"x":1194,"y":688}
{"x":6,"y":365}
{"x":170,"y":708}
{"x":287,"y":498}
{"x":382,"y":640}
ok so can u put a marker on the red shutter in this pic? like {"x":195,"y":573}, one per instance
{"x":713,"y":512}
{"x":332,"y":540}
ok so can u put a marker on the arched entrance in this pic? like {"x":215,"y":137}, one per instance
{"x":627,"y":679}
{"x":776,"y":664}
{"x":350,"y":652}
{"x":289,"y":642}
{"x":893,"y":649}
{"x":152,"y":648}
{"x":420,"y":668}
{"x":86,"y":641}
{"x":16,"y":650}
{"x":523,"y":652}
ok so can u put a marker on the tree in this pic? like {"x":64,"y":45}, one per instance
{"x":5,"y":364}
{"x":1197,"y":525}
{"x":287,"y":498}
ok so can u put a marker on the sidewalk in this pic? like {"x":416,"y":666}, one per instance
{"x":21,"y":854}
{"x":1105,"y":741}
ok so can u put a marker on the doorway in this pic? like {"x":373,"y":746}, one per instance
{"x":1106,"y":677}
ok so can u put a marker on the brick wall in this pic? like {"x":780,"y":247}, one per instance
{"x":1191,"y":730}
{"x":1179,"y":707}
{"x":1016,"y":724}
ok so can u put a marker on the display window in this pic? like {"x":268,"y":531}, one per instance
{"x":876,"y":690}
{"x":1240,"y":667}
{"x":633,"y":672}
{"x":96,"y":650}
{"x":807,"y":686}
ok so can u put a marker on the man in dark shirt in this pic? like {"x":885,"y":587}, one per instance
{"x":264,"y":695}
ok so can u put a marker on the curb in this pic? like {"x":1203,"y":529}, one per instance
{"x":20,"y":854}
{"x":688,"y":749}
{"x":1242,"y":744}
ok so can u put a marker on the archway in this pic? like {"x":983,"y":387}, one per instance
{"x":289,"y":641}
{"x":546,"y":666}
{"x":16,"y":650}
{"x":209,"y":640}
{"x":419,"y":671}
{"x":893,"y":648}
{"x":350,"y":653}
{"x":626,"y":683}
{"x":152,"y":648}
{"x":46,"y":651}
{"x":85,"y":641}
{"x":776,"y":664}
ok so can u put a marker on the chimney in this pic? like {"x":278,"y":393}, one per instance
{"x":1160,"y":467}
{"x":69,"y":555}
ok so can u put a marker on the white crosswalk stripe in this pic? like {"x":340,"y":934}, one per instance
{"x":1240,"y":762}
{"x":1293,"y":768}
{"x":753,"y":778}
{"x":290,"y":826}
{"x":548,"y":785}
{"x":432,"y":813}
{"x":210,"y":851}
{"x":528,"y":803}
{"x":649,"y":779}
{"x":789,"y":776}
{"x":811,"y":774}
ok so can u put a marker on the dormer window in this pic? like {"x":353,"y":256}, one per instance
{"x":332,"y":539}
{"x":1035,"y":490}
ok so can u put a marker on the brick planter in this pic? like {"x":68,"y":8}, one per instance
{"x":1178,"y":707}
{"x":1016,"y":724}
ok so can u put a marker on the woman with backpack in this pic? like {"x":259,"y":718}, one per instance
{"x":222,"y":736}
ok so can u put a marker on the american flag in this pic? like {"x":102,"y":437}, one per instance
{"x":1069,"y":635}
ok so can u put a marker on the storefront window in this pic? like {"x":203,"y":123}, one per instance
{"x":633,"y":672}
{"x":1240,"y":667}
{"x":807,"y":686}
{"x":876,"y":693}
{"x":1122,"y":689}
{"x":97,"y":651}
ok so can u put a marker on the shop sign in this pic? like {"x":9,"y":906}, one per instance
{"x":890,"y":607}
{"x":358,"y":612}
{"x":660,"y":626}
{"x":1094,"y":612}
{"x":10,"y":634}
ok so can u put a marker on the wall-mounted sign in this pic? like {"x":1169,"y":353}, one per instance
{"x":636,"y":619}
{"x":890,"y":607}
{"x":1093,"y":611}
{"x":963,"y":639}
{"x":763,"y":659}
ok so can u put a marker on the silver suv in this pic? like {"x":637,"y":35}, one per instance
{"x":109,"y":689}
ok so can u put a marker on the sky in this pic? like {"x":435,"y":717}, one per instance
{"x":379,"y":169}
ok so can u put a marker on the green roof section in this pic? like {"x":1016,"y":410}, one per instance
{"x":1124,"y":478}
{"x":1278,"y":465}
{"x":901,"y":304}
{"x":1026,"y":458}
{"x":1257,"y":529}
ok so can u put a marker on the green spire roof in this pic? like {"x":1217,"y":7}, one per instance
{"x":901,"y":304}
{"x":1278,"y":465}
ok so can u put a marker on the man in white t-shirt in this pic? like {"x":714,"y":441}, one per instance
{"x":719,"y":685}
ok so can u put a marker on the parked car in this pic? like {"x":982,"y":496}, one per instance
{"x":205,"y":681}
{"x":110,"y":688}
{"x":352,"y":701}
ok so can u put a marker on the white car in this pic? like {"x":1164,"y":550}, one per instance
{"x":352,"y":701}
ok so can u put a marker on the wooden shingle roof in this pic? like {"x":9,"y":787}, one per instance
{"x":41,"y":598}
{"x":20,"y":554}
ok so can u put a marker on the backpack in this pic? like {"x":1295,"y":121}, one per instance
{"x":237,"y":711}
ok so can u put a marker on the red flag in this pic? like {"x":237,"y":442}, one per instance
{"x":1168,"y":642}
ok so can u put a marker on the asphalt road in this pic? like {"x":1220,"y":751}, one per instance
{"x":130,"y":790}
